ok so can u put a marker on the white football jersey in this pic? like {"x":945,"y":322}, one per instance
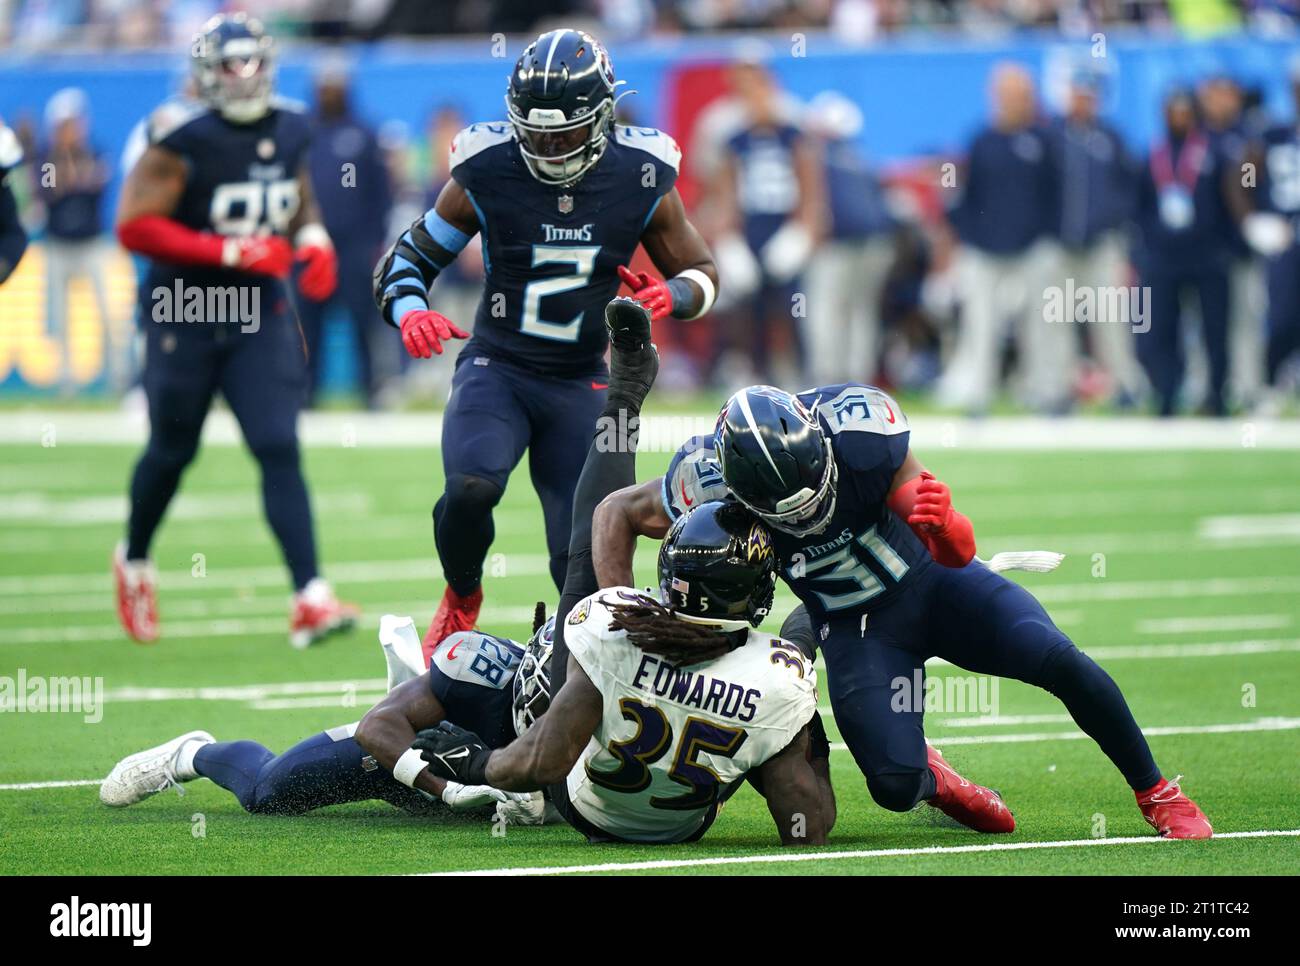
{"x":670,"y":737}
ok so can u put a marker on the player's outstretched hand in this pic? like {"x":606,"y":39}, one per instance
{"x":651,"y":292}
{"x":453,"y":753}
{"x":933,"y":505}
{"x":461,"y":797}
{"x":424,"y":331}
{"x":320,"y":273}
{"x":260,"y":255}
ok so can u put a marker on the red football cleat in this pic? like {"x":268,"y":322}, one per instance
{"x":317,"y":613}
{"x":1171,"y":813}
{"x":455,"y":613}
{"x":973,"y":805}
{"x":137,"y":596}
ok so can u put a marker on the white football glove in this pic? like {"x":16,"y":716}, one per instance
{"x":402,"y":651}
{"x":787,"y":252}
{"x":461,"y":797}
{"x":526,"y":810}
{"x":1267,"y":233}
{"x":1034,"y":561}
{"x":736,"y":264}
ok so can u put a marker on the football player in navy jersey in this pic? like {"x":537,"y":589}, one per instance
{"x":213,"y":202}
{"x":1270,"y":223}
{"x":885,"y":569}
{"x":494,"y":686}
{"x":560,"y":197}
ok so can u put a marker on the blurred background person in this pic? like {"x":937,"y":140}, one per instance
{"x":847,"y":274}
{"x":1222,"y":105}
{"x":1183,"y":245}
{"x":13,"y":238}
{"x":349,"y":175}
{"x":72,"y":177}
{"x":1004,"y":213}
{"x":769,"y":189}
{"x":1269,"y":215}
{"x":1097,"y":179}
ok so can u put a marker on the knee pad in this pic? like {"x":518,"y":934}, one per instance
{"x":471,"y":495}
{"x":897,"y":791}
{"x":1067,"y":669}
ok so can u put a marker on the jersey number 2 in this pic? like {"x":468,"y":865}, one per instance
{"x":653,"y":737}
{"x":583,"y":260}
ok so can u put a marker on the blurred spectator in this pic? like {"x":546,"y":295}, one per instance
{"x":1270,"y":222}
{"x":846,"y":278}
{"x":1096,"y":198}
{"x":1183,"y":244}
{"x":1222,"y":105}
{"x":72,"y":176}
{"x":769,"y":190}
{"x":1005,"y":211}
{"x":350,"y":179}
{"x":13,"y":239}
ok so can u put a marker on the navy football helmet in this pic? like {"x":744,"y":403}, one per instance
{"x":561,"y":103}
{"x":717,"y":566}
{"x":233,"y":64}
{"x":776,"y":459}
{"x":532,"y":683}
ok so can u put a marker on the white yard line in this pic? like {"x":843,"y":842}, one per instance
{"x":803,"y":856}
{"x":1224,"y":622}
{"x":1260,"y":724}
{"x":663,"y":433}
{"x":1249,"y":525}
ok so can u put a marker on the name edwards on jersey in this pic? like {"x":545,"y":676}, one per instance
{"x":695,"y":689}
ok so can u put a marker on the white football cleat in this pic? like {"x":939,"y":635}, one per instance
{"x":136,"y":777}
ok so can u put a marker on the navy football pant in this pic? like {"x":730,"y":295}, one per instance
{"x":263,"y":378}
{"x":979,"y":621}
{"x":329,"y":768}
{"x":1283,"y":310}
{"x":1160,"y":350}
{"x":496,"y":411}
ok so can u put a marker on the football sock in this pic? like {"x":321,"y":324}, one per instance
{"x":1099,"y":709}
{"x":153,"y":484}
{"x":463,"y":530}
{"x":288,"y":509}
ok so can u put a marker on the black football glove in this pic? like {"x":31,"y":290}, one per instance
{"x":454,"y":753}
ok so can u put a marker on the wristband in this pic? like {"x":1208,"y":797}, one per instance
{"x":313,"y":233}
{"x":409,"y":766}
{"x":706,"y":285}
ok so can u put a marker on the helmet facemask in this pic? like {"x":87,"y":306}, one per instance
{"x":532,"y":682}
{"x":236,"y":77}
{"x":559,"y":150}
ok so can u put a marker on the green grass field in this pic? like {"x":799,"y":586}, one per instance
{"x":1182,"y":578}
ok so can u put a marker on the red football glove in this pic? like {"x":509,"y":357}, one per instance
{"x":932,"y":510}
{"x":261,"y":255}
{"x":320,"y":274}
{"x":651,"y":292}
{"x":926,"y":504}
{"x":424,"y":331}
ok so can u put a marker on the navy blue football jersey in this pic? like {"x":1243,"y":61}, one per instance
{"x":864,"y":556}
{"x":241,"y":179}
{"x":1281,"y":174}
{"x":551,"y":254}
{"x":472,"y":674}
{"x":767,"y":188}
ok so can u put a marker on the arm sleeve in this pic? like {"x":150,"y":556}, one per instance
{"x":404,"y":274}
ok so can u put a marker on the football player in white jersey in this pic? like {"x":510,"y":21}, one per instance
{"x":661,"y":706}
